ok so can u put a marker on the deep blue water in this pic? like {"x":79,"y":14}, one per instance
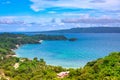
{"x":75,"y":54}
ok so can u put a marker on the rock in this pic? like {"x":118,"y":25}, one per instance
{"x":16,"y":65}
{"x":72,"y":39}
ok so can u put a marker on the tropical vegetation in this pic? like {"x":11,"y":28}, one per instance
{"x":15,"y":68}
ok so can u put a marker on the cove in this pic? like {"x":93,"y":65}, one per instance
{"x":75,"y":54}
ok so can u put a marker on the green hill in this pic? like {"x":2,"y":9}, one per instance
{"x":88,"y":30}
{"x":107,"y":68}
{"x":14,"y":68}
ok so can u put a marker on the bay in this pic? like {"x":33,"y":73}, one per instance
{"x":74,"y":54}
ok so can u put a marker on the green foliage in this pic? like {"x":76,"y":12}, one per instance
{"x":3,"y":51}
{"x":107,"y":68}
{"x":9,"y":41}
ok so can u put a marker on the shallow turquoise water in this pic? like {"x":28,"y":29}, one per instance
{"x":76,"y":54}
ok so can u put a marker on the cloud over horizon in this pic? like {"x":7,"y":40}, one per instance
{"x":92,"y":4}
{"x":32,"y":15}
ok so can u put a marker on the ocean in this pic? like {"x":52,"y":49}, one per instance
{"x":68,"y":54}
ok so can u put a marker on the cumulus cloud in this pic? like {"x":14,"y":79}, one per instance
{"x":24,"y":20}
{"x":94,"y":4}
{"x":35,"y":22}
{"x":93,"y":21}
{"x":80,"y":15}
{"x":17,"y":19}
{"x":11,"y":20}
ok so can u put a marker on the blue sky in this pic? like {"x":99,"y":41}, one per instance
{"x":37,"y":15}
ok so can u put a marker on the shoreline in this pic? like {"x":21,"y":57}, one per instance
{"x":13,"y":50}
{"x":52,"y":64}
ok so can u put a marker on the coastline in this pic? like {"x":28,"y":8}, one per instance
{"x":13,"y":50}
{"x":53,"y":62}
{"x":17,"y":46}
{"x":55,"y":48}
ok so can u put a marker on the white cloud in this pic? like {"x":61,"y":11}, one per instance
{"x":106,"y":4}
{"x":80,"y":15}
{"x":36,"y":9}
{"x":24,"y":19}
{"x":30,"y":21}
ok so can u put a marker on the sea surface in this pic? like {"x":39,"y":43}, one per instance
{"x":75,"y":54}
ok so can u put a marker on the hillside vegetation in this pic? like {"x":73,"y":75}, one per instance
{"x":14,"y":68}
{"x":107,"y":68}
{"x":9,"y":41}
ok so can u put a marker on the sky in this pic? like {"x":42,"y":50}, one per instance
{"x":42,"y":15}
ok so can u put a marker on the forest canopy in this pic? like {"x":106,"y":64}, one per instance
{"x":15,"y":68}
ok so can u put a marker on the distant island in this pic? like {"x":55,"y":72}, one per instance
{"x":87,"y":30}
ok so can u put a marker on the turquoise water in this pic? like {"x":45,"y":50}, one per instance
{"x":75,"y":54}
